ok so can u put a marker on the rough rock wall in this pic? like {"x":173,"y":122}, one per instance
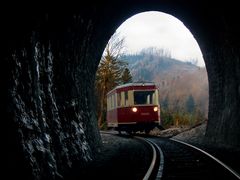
{"x":224,"y":102}
{"x":49,"y":99}
{"x":48,"y":63}
{"x":220,"y":45}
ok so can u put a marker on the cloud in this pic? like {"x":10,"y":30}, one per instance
{"x":163,"y":31}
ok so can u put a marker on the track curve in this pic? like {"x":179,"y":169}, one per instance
{"x":173,"y":159}
{"x":185,"y":162}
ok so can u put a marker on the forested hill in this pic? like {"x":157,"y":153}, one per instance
{"x":177,"y":80}
{"x":149,"y":67}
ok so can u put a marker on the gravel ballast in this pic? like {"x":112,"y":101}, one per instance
{"x":119,"y":158}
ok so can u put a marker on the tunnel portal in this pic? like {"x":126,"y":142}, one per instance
{"x":49,"y":62}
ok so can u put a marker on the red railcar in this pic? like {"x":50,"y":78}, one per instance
{"x":133,"y":107}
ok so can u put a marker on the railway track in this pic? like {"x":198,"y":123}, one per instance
{"x":182,"y":161}
{"x":173,"y":159}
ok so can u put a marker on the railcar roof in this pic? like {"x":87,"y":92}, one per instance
{"x":133,"y":84}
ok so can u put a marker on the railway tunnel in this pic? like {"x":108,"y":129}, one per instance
{"x":49,"y":60}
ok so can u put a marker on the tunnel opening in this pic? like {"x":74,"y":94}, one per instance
{"x":64,"y":48}
{"x":153,"y":46}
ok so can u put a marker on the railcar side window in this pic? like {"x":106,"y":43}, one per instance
{"x":113,"y":101}
{"x":118,"y":99}
{"x":108,"y":108}
{"x":122,"y":99}
{"x":126,"y":98}
{"x":144,"y":97}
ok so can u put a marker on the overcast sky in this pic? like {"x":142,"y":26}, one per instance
{"x":157,"y":29}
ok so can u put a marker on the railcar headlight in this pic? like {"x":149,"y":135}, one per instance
{"x":134,"y":109}
{"x":155,"y":109}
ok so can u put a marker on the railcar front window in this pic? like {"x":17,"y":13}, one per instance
{"x":144,"y":97}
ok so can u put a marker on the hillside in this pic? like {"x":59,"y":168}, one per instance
{"x":177,"y":80}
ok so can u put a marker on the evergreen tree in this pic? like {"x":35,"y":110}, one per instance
{"x":190,"y":104}
{"x":126,"y":76}
{"x":109,"y":75}
{"x":165,"y":103}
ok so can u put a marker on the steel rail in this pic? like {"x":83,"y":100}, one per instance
{"x":212,"y":157}
{"x":161,"y":164}
{"x":153,"y":146}
{"x":154,"y":158}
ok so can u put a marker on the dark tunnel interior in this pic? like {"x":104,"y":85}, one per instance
{"x":49,"y":61}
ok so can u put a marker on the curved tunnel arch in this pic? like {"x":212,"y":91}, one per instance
{"x":160,"y":30}
{"x":213,"y":28}
{"x":54,"y":110}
